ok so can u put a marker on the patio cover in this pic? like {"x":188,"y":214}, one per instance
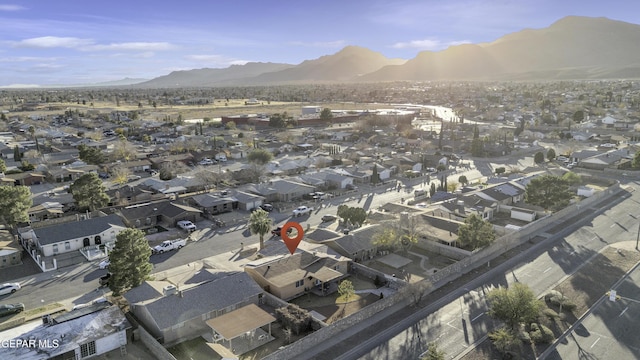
{"x":241,"y":321}
{"x":325,"y":274}
{"x":394,"y":260}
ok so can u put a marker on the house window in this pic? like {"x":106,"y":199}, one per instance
{"x":67,"y":245}
{"x":88,"y":349}
{"x":300,"y":283}
{"x":337,"y":268}
{"x":55,"y":248}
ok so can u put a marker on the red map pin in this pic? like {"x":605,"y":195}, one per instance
{"x":292,"y":242}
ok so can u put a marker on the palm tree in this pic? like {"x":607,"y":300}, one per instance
{"x":260,"y":223}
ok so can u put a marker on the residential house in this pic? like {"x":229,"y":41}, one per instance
{"x":503,"y":194}
{"x":281,"y":190}
{"x":289,"y":276}
{"x":27,"y":178}
{"x":10,"y":250}
{"x":128,"y":195}
{"x":166,"y":213}
{"x":212,"y":204}
{"x":72,"y":236}
{"x":175,"y":314}
{"x":357,"y":245}
{"x":80,"y":334}
{"x":133,"y":166}
{"x":45,"y":210}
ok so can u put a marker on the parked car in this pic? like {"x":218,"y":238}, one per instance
{"x":267,"y":207}
{"x":278,"y":231}
{"x":104,"y":279}
{"x":302,"y":210}
{"x":329,"y":218}
{"x":351,"y":187}
{"x":9,"y":309}
{"x":186,"y":225}
{"x":104,"y":264}
{"x":169,"y":245}
{"x":206,"y":161}
{"x":9,"y":288}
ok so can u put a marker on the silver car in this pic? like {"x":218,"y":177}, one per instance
{"x":9,"y":288}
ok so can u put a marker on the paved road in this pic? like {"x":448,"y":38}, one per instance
{"x":460,"y":320}
{"x":610,"y":331}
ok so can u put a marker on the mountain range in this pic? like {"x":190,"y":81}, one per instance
{"x":571,"y":48}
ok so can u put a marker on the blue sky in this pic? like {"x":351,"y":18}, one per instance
{"x":69,"y":41}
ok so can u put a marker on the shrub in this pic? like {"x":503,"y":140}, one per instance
{"x":295,"y":318}
{"x":541,"y":334}
{"x":550,"y":314}
{"x":555,"y":298}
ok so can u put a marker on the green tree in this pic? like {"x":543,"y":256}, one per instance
{"x":514,"y":305}
{"x":463,"y":180}
{"x":572,"y":178}
{"x":277,"y":121}
{"x":578,"y":116}
{"x":538,"y":158}
{"x":15,"y":202}
{"x":375,"y":177}
{"x":346,"y":290}
{"x":260,"y":156}
{"x":326,"y":115}
{"x":432,"y":189}
{"x":636,"y":160}
{"x":32,"y":131}
{"x":433,"y":353}
{"x":89,"y":192}
{"x":129,"y":261}
{"x":231,"y":125}
{"x":3,"y":166}
{"x":551,"y":154}
{"x":352,"y":215}
{"x":91,"y":155}
{"x":26,"y":166}
{"x":475,"y":232}
{"x":548,"y":191}
{"x":17,"y":156}
{"x":259,"y":224}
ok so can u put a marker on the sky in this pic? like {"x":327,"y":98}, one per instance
{"x":47,"y":42}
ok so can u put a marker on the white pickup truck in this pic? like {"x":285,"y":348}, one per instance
{"x":168,"y":245}
{"x":302,"y":210}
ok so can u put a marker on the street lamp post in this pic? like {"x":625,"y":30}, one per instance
{"x":638,"y":236}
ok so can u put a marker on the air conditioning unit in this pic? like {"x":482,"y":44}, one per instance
{"x":169,"y":290}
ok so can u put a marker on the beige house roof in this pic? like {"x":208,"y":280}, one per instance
{"x":238,"y":322}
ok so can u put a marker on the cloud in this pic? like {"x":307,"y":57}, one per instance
{"x":132,"y":46}
{"x":215,"y":59}
{"x":24,"y":59}
{"x":428,"y":44}
{"x":8,"y":7}
{"x":320,"y":44}
{"x":52,"y":42}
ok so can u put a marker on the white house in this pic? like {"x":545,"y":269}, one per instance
{"x":79,"y":334}
{"x":608,"y":120}
{"x":67,"y":237}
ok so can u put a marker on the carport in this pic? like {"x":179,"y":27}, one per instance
{"x":241,"y":329}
